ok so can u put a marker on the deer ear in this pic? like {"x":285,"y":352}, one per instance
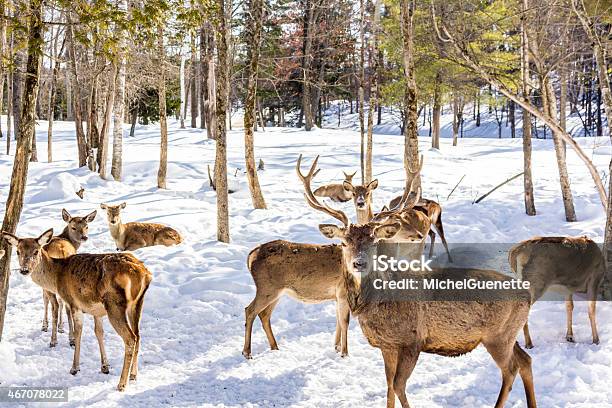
{"x":347,"y":186}
{"x":387,"y":231}
{"x":66,"y":215}
{"x":103,"y":206}
{"x":45,"y":237}
{"x":122,"y":205}
{"x":91,"y":216}
{"x":373,"y":184}
{"x":10,"y":238}
{"x":331,"y":231}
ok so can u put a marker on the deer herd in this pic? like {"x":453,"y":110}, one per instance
{"x":114,"y":284}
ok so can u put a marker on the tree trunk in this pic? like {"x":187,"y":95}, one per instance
{"x":193,"y":87}
{"x":411,"y":141}
{"x":456,"y":119}
{"x":2,"y":47}
{"x":373,"y":91}
{"x":52,"y":93}
{"x":83,"y":148}
{"x":119,"y":103}
{"x":14,"y":202}
{"x":435,"y":135}
{"x":163,"y":126}
{"x":182,"y":91}
{"x":512,"y":119}
{"x":309,"y":13}
{"x":527,"y":178}
{"x":361,"y":91}
{"x":211,"y":107}
{"x":253,"y":25}
{"x":108,"y":110}
{"x":221,"y":111}
{"x":203,"y":78}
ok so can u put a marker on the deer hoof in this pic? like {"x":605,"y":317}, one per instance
{"x":74,"y":370}
{"x":60,"y":329}
{"x":105,"y":369}
{"x":247,"y":355}
{"x":72,"y":343}
{"x":121,"y":387}
{"x":596,"y":340}
{"x":45,"y":328}
{"x":344,"y":354}
{"x":53,"y":344}
{"x":569,"y":338}
{"x":529,"y":346}
{"x":132,"y":377}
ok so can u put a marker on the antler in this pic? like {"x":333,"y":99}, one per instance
{"x":310,"y":198}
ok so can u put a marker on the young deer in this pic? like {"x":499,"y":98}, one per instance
{"x":402,"y":330}
{"x":62,"y":246}
{"x":576,"y":263}
{"x":306,"y":272}
{"x":97,"y":284}
{"x":337,"y":192}
{"x":135,"y":235}
{"x":362,"y":197}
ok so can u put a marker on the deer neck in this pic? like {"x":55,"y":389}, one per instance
{"x":117,"y":231}
{"x":364,"y":215}
{"x":65,"y":235}
{"x":45,"y":274}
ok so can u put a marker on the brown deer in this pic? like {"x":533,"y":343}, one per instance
{"x":337,"y":192}
{"x":97,"y":284}
{"x":306,"y":272}
{"x":62,"y":246}
{"x":575,"y":263}
{"x":402,"y":330}
{"x":134,"y":235}
{"x":362,"y":198}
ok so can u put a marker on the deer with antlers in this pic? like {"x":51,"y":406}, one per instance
{"x":402,"y":330}
{"x":110,"y":285}
{"x":337,"y":192}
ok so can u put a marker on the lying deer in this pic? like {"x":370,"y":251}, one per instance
{"x":575,"y":263}
{"x":62,"y":246}
{"x":337,"y":192}
{"x":306,"y":272}
{"x":135,"y":235}
{"x":97,"y":284}
{"x":402,"y":330}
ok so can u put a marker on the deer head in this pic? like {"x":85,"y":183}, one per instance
{"x":349,"y":177}
{"x":362,"y":195}
{"x":78,"y":227}
{"x":113,"y":212}
{"x":29,"y":250}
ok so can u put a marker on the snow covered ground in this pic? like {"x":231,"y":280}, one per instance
{"x":193,"y":322}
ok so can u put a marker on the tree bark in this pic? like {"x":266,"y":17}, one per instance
{"x":211,"y":106}
{"x":374,"y":53}
{"x":14,"y":202}
{"x":203,"y":78}
{"x":119,"y":103}
{"x":253,"y":25}
{"x":108,"y":110}
{"x":52,"y":92}
{"x":435,"y":135}
{"x":182,"y":90}
{"x":2,"y":47}
{"x":163,"y":126}
{"x":193,"y":88}
{"x":309,"y":14}
{"x":221,"y":112}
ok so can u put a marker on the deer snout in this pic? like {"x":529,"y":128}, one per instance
{"x":360,"y":202}
{"x":84,"y":238}
{"x":359,"y":263}
{"x":24,"y":271}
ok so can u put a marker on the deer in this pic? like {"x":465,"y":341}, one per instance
{"x":575,"y":263}
{"x":111,"y":284}
{"x":402,"y":330}
{"x":135,"y":235}
{"x":337,"y":192}
{"x":62,"y":246}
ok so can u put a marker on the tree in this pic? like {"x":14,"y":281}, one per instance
{"x":253,"y":25}
{"x":14,"y":202}
{"x":221,"y":121}
{"x":119,"y":105}
{"x":163,"y":126}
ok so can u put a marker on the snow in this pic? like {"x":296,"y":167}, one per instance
{"x":193,"y":323}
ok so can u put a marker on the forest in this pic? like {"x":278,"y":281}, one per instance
{"x":214,"y":128}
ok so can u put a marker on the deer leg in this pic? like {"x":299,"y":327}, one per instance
{"x":592,"y":296}
{"x":432,"y":237}
{"x":251,"y":311}
{"x":54,"y":312}
{"x":117,"y":316}
{"x":390,"y":359}
{"x":343,"y":315}
{"x":528,"y":342}
{"x":77,"y":316}
{"x":134,"y":314}
{"x":569,"y":308}
{"x":99,"y":330}
{"x":45,"y":324}
{"x":502,"y":352}
{"x":70,"y":325}
{"x":440,"y":229}
{"x":60,"y":315}
{"x":264,"y":316}
{"x":524,"y":362}
{"x":406,"y":360}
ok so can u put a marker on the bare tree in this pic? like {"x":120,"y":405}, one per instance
{"x":253,"y":25}
{"x":119,"y":103}
{"x":309,"y":27}
{"x":14,"y":202}
{"x":163,"y":126}
{"x":527,"y":178}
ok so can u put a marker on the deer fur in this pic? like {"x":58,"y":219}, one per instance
{"x":62,"y":246}
{"x":110,"y":285}
{"x":306,"y":272}
{"x":575,"y":263}
{"x":337,"y":192}
{"x":402,"y":330}
{"x":362,"y":198}
{"x":134,"y":235}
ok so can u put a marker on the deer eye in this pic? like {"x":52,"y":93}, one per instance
{"x":74,"y":229}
